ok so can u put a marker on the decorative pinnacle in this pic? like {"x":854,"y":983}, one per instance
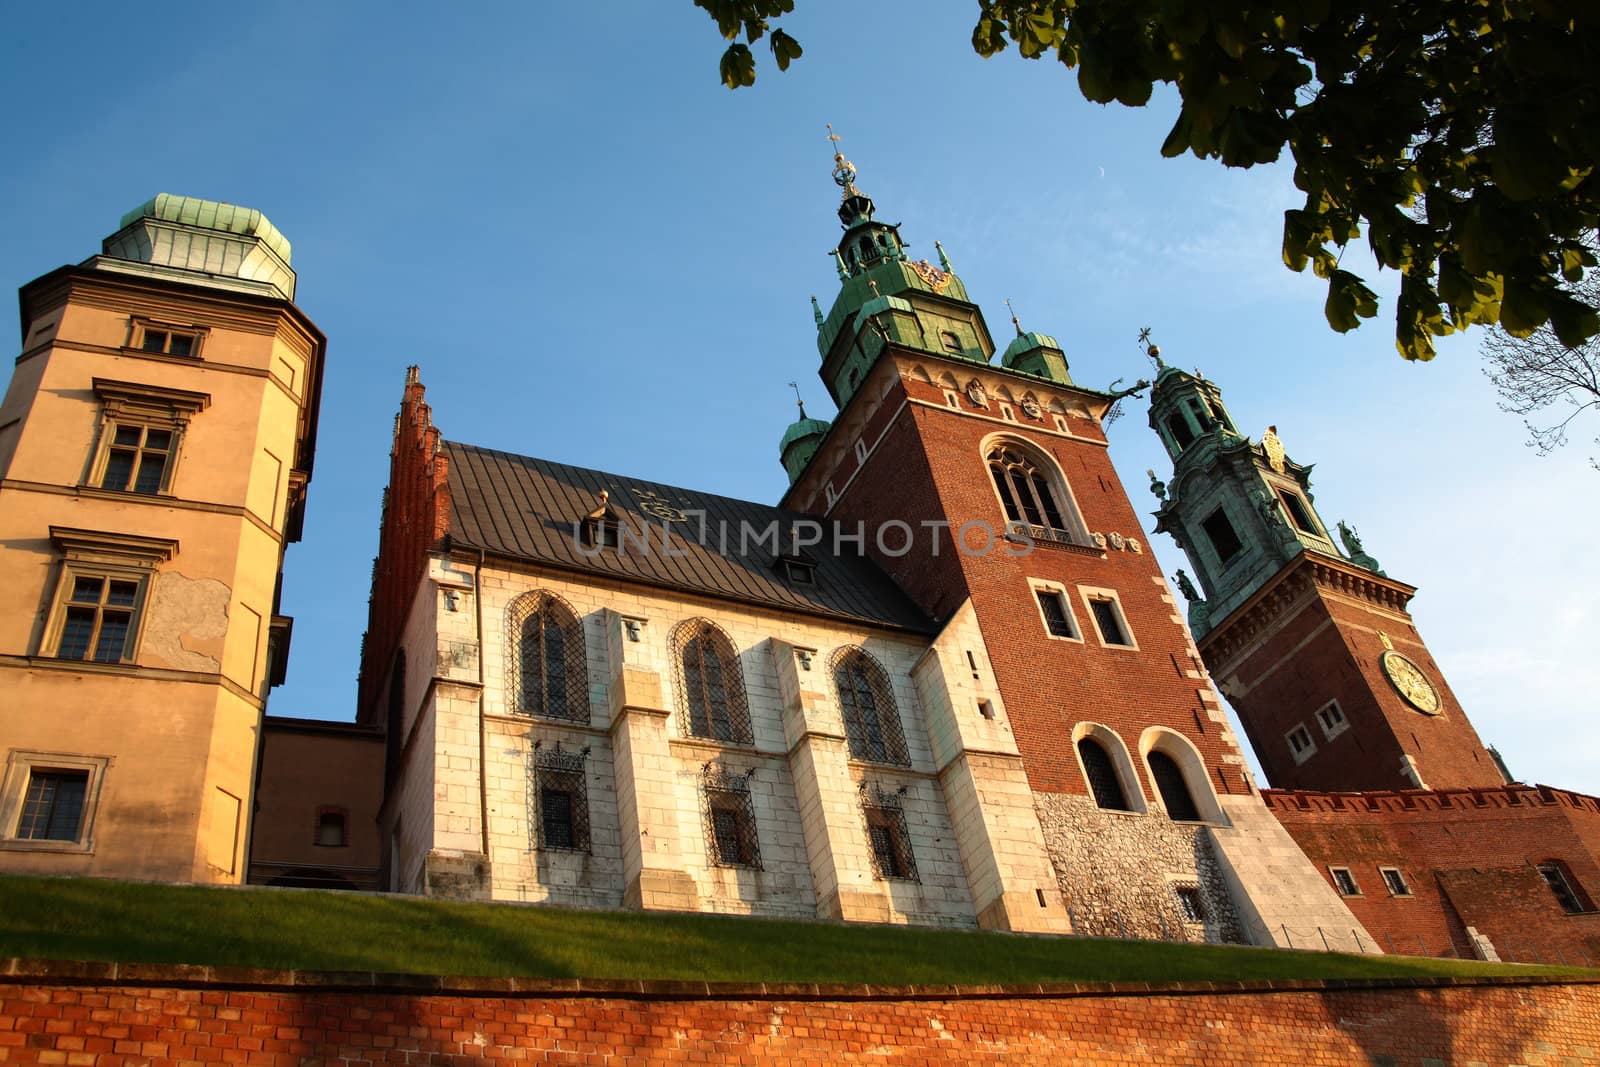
{"x":1014,"y":321}
{"x":944,"y":260}
{"x":816,"y":313}
{"x":1151,"y":350}
{"x":844,"y":171}
{"x":798,"y":402}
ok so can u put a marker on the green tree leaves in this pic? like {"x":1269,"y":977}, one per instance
{"x":1461,"y":136}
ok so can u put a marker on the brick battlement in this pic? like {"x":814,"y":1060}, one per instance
{"x":1428,"y":800}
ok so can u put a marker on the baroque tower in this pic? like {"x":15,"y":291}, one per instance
{"x":1313,"y":645}
{"x":156,"y":443}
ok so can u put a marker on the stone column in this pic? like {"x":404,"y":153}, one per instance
{"x":830,"y":813}
{"x":654,"y":877}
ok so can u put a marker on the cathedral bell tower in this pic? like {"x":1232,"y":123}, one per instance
{"x":1313,"y":645}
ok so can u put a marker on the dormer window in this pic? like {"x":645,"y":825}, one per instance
{"x":602,"y":531}
{"x":797,"y":570}
{"x":951,"y":341}
{"x":1298,"y":513}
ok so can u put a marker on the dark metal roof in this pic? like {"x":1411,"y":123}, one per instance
{"x":518,"y":507}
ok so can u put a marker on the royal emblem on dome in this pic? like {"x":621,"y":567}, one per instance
{"x":933,"y":276}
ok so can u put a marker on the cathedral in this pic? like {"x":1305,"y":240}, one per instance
{"x":941,"y":681}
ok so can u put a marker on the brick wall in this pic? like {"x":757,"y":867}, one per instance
{"x":1468,"y":856}
{"x":103,"y":1016}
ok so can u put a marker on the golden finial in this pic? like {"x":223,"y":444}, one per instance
{"x":844,"y":171}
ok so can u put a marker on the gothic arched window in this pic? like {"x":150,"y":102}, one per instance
{"x":1174,"y":790}
{"x":1102,"y":774}
{"x":547,"y":675}
{"x":711,"y":683}
{"x":1026,"y":490}
{"x":866,"y":702}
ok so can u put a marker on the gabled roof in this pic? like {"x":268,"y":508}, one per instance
{"x":517,"y":507}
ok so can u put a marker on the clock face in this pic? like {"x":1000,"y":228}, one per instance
{"x":1410,"y":682}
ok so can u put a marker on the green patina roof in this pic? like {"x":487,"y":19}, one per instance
{"x":802,"y":428}
{"x":1027,"y":342}
{"x":211,"y":215}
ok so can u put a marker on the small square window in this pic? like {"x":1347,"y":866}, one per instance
{"x":1057,"y":616}
{"x":1331,"y":718}
{"x":1190,"y":903}
{"x":137,"y":458}
{"x":1395,"y":882}
{"x":602,"y":532}
{"x":48,"y":801}
{"x":331,"y":829}
{"x":797,"y":571}
{"x":1344,"y":881}
{"x":53,"y":807}
{"x":951,"y":341}
{"x":1301,"y":746}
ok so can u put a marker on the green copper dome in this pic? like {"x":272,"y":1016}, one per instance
{"x":211,"y":215}
{"x":1027,"y":342}
{"x":800,"y":429}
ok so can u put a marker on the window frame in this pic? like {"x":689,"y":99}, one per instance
{"x":1350,"y":876}
{"x":551,"y":610}
{"x":1330,"y":732}
{"x":727,"y":793}
{"x":885,"y":812}
{"x":19,"y":770}
{"x":109,"y":557}
{"x":736,"y":711}
{"x":147,"y":407}
{"x":1239,"y":551}
{"x":886,"y":709}
{"x":1037,"y":464}
{"x":1091,"y":594}
{"x":1295,"y":508}
{"x":343,"y":816}
{"x":1183,"y":893}
{"x":1300,"y":754}
{"x":1043,"y":589}
{"x":1116,"y":751}
{"x":1580,"y":900}
{"x":140,"y":328}
{"x":559,"y":772}
{"x":1405,"y":884}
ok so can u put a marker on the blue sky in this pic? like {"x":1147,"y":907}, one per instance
{"x":599,"y":255}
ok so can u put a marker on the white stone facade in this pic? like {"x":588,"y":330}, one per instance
{"x":976,"y":846}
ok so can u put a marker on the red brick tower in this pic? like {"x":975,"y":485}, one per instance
{"x":990,"y":481}
{"x":1314,"y":647}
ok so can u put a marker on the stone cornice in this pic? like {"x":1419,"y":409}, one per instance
{"x":1300,"y":579}
{"x":1427,"y":800}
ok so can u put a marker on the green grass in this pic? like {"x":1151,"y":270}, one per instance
{"x":93,"y":919}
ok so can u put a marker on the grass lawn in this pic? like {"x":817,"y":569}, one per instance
{"x":94,"y":919}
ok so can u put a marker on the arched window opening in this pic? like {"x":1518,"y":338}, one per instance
{"x":1025,"y":489}
{"x":1175,"y":796}
{"x":1102,"y":773}
{"x":548,"y":677}
{"x":866,"y":703}
{"x":1178,"y":427}
{"x":710,"y":683}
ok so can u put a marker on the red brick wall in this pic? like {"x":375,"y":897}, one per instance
{"x":1329,"y":649}
{"x":930,"y":466}
{"x":1470,"y":858}
{"x":123,"y":1024}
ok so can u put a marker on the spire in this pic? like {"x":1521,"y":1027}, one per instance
{"x":1011,"y":309}
{"x":944,"y":260}
{"x":800,"y":403}
{"x":816,"y":313}
{"x":844,"y":171}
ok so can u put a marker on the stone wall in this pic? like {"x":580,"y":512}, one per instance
{"x":1120,"y":871}
{"x":100,"y":1015}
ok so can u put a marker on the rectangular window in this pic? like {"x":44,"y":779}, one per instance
{"x":1109,"y":621}
{"x":887,"y":836}
{"x":165,"y":340}
{"x":53,"y":807}
{"x":560,"y":785}
{"x":48,"y":800}
{"x":730,"y":820}
{"x":1190,"y":904}
{"x":1555,"y":876}
{"x":1298,"y":512}
{"x":1057,"y":616}
{"x":1178,"y":427}
{"x":1301,"y":746}
{"x":137,"y":458}
{"x":1395,"y":882}
{"x":1344,"y":882}
{"x":98,"y":619}
{"x":331,"y":829}
{"x":1331,"y":718}
{"x":1224,"y":538}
